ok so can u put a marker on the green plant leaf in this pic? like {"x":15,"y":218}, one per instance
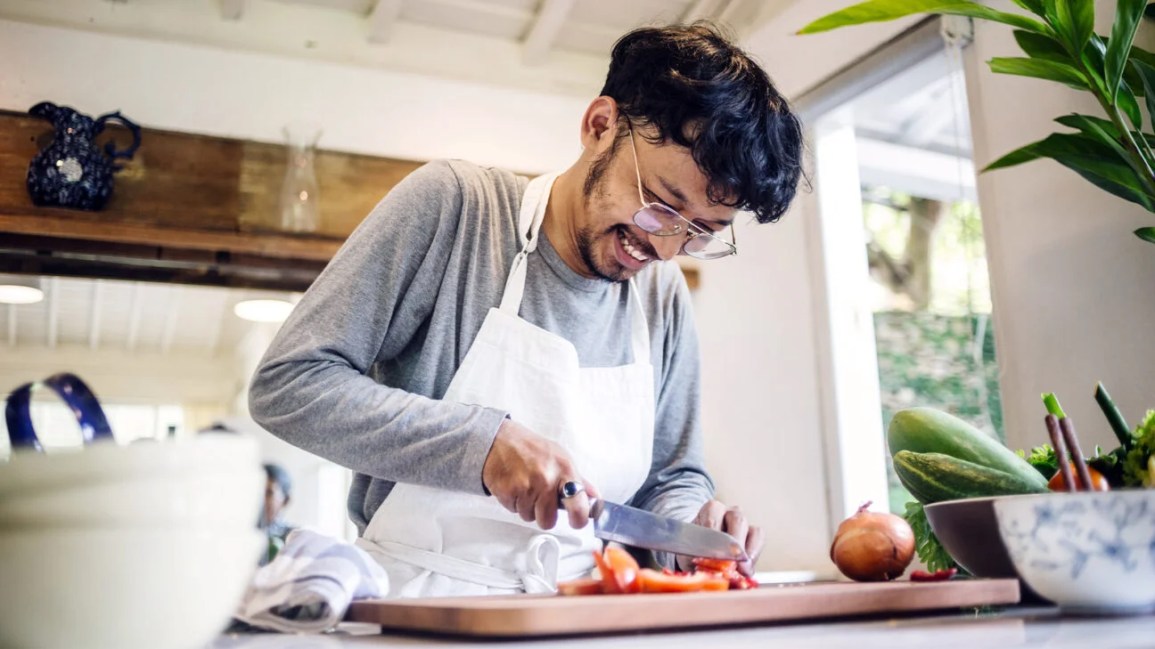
{"x":1039,"y":46}
{"x":1040,"y":69}
{"x":1093,"y":62}
{"x":1140,"y":54}
{"x":1146,"y":234}
{"x":1147,"y":74}
{"x":1093,"y":160}
{"x":1127,"y":16}
{"x":1075,"y":120}
{"x":1094,"y":128}
{"x":1129,"y":104}
{"x":1073,"y":20}
{"x":1033,"y":6}
{"x":883,"y":10}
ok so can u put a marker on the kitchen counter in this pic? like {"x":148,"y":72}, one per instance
{"x":1013,"y":627}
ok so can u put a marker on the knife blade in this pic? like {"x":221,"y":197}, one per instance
{"x":640,"y":528}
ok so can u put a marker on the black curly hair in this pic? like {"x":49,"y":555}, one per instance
{"x":702,"y":92}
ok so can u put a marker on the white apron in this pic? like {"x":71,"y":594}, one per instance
{"x":435,"y":542}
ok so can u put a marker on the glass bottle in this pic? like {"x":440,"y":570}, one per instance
{"x":300,"y":209}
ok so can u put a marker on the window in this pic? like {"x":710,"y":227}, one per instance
{"x":900,"y":255}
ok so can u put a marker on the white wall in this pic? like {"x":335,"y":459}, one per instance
{"x":1073,"y":289}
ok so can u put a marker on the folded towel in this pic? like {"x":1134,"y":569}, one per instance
{"x":308,"y":587}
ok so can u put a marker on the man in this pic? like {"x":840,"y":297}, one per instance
{"x":485,"y":346}
{"x":278,"y":492}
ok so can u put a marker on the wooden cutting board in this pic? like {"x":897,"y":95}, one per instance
{"x":541,"y":615}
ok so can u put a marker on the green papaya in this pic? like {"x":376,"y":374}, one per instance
{"x":934,"y":477}
{"x":928,"y":430}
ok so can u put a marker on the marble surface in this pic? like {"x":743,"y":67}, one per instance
{"x":1014,"y":627}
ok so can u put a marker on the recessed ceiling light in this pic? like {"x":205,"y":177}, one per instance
{"x":20,"y":289}
{"x":263,"y":310}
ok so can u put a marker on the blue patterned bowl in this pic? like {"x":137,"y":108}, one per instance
{"x":1089,"y":552}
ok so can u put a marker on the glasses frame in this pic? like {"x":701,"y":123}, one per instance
{"x":691,"y":229}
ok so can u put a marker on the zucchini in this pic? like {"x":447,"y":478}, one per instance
{"x":934,"y":477}
{"x":927,"y":430}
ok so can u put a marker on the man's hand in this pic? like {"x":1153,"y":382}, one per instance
{"x":525,"y":472}
{"x":731,"y":520}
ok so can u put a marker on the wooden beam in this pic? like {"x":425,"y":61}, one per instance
{"x":382,"y":20}
{"x":232,"y":9}
{"x":135,"y":312}
{"x":544,"y":31}
{"x":94,"y":314}
{"x":52,"y":309}
{"x":699,"y":10}
{"x":170,"y":320}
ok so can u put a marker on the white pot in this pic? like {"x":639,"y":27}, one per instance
{"x":121,"y":587}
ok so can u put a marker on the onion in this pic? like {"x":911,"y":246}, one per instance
{"x":872,"y":546}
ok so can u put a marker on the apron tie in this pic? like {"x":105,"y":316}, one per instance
{"x":541,"y":561}
{"x":542,"y":557}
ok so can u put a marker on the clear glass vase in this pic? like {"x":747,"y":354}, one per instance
{"x":300,"y":207}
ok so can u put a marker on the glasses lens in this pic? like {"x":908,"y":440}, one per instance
{"x":705,"y":247}
{"x":658,"y":220}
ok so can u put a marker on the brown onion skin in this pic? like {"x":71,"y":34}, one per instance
{"x":872,"y":546}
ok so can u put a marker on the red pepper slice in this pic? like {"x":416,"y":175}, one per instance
{"x":937,"y":575}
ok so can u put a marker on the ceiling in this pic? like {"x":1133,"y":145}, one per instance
{"x":133,"y":317}
{"x":547,"y":45}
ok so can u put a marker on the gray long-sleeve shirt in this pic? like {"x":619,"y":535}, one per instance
{"x":356,"y":373}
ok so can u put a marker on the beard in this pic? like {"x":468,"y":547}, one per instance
{"x":593,"y":194}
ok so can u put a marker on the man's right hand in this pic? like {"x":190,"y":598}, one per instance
{"x":525,"y":472}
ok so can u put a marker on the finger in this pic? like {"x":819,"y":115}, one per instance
{"x":545,"y":510}
{"x":711,"y":515}
{"x":735,"y":524}
{"x":754,"y":543}
{"x":525,"y":508}
{"x":577,"y":506}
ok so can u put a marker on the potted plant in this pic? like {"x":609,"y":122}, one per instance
{"x":1059,"y":40}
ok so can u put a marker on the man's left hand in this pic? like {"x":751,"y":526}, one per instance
{"x":716,"y":515}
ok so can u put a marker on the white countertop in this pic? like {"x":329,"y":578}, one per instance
{"x":1016,"y":627}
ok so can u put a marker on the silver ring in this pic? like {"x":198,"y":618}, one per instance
{"x":571,"y":489}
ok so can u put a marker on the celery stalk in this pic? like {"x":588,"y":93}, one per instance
{"x":1052,"y":404}
{"x":1114,"y":417}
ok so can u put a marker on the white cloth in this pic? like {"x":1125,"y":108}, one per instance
{"x":435,"y":542}
{"x":309,"y":584}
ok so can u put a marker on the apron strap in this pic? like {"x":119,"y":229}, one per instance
{"x":542,"y":555}
{"x":639,"y":329}
{"x":529,"y":220}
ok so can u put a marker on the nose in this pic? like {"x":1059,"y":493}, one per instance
{"x":666,"y":247}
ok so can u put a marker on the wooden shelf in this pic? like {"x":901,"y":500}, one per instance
{"x":188,"y":208}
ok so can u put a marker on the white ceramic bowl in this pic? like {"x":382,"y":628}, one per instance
{"x":1089,"y":552}
{"x":30,"y":472}
{"x":231,"y":500}
{"x":120,"y":587}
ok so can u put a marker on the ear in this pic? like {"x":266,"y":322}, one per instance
{"x":599,"y":124}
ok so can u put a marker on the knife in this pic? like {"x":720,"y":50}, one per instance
{"x":640,"y":528}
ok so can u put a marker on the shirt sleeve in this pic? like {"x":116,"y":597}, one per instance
{"x":678,"y":483}
{"x":311,"y":387}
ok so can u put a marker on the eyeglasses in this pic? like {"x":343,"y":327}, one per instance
{"x":664,"y":221}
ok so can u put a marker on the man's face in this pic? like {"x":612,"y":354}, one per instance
{"x":274,"y":500}
{"x":610,"y":244}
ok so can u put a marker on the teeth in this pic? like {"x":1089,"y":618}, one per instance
{"x":632,"y":250}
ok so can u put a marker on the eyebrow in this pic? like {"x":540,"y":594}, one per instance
{"x":677,"y":193}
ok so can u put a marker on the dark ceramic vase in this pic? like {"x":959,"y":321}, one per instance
{"x":72,"y":172}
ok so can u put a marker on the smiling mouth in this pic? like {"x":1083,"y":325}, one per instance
{"x":631,"y":249}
